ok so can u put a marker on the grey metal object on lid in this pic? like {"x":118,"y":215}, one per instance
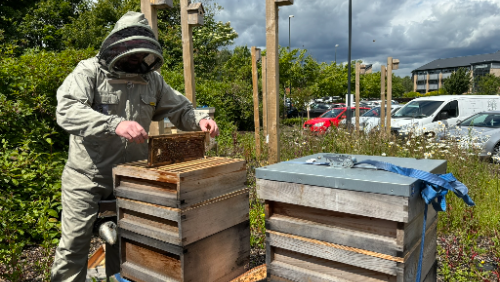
{"x":364,"y":179}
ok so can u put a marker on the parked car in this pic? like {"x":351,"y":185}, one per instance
{"x":426,"y":115}
{"x":371,"y":119}
{"x":329,"y":119}
{"x":481,"y":131}
{"x":317,"y":109}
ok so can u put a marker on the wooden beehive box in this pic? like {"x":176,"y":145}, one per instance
{"x":355,"y":224}
{"x":173,"y":216}
{"x":179,"y":185}
{"x":220,"y":257}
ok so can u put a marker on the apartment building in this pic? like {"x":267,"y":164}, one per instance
{"x":430,"y":77}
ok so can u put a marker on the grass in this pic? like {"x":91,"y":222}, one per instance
{"x":468,"y":237}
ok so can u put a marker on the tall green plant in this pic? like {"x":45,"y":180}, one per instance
{"x":459,"y":82}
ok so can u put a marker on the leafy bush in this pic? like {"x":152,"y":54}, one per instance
{"x":294,"y":121}
{"x":32,"y":152}
{"x":412,"y":94}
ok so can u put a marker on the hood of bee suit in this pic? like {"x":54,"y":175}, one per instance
{"x":131,"y":47}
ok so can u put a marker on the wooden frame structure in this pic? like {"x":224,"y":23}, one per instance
{"x":272,"y":79}
{"x":255,"y":81}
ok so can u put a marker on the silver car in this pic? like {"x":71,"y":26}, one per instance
{"x":481,"y":130}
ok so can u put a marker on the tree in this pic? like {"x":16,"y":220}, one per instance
{"x":11,"y":15}
{"x":458,"y":83}
{"x":370,"y":85}
{"x":407,"y":84}
{"x":95,"y":22}
{"x":43,"y":26}
{"x":487,"y":84}
{"x":207,"y":39}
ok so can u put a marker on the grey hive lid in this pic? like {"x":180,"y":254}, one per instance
{"x":356,"y":179}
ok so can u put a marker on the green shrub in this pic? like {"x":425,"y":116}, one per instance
{"x":32,"y":153}
{"x":294,"y":121}
{"x":411,"y":94}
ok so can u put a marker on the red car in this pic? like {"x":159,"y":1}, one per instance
{"x":330,"y":118}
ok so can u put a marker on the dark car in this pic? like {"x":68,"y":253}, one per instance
{"x":316,"y":109}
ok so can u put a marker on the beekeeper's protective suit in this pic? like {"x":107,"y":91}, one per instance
{"x":116,"y":89}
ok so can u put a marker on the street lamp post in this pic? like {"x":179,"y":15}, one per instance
{"x":289,"y":81}
{"x":336,"y":45}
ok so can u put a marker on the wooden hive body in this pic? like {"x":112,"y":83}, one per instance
{"x":317,"y":233}
{"x":172,"y":216}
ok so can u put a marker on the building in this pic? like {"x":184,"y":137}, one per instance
{"x":430,"y":77}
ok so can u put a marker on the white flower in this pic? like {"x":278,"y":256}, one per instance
{"x":408,"y":143}
{"x":489,"y":154}
{"x":391,"y":143}
{"x":383,"y":154}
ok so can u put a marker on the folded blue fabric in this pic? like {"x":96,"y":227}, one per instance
{"x":436,"y":186}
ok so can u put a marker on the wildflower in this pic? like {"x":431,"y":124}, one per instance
{"x":408,"y":143}
{"x":462,"y":158}
{"x":383,"y":154}
{"x":489,"y":154}
{"x":391,"y":143}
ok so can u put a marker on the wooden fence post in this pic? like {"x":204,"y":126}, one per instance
{"x":382,"y":97}
{"x":272,"y":52}
{"x":264,"y":97}
{"x":187,"y":53}
{"x":255,"y":80}
{"x":389,"y":94}
{"x":150,"y":11}
{"x":358,"y":70}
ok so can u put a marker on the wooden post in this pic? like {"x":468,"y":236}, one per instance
{"x":415,"y":78}
{"x":389,"y":94}
{"x":150,"y":11}
{"x":382,"y":97}
{"x":255,"y":80}
{"x":358,"y":70}
{"x":187,"y":53}
{"x":272,"y":80}
{"x":427,"y":84}
{"x":264,"y":97}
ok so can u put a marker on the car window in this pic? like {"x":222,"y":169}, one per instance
{"x":375,"y":112}
{"x":362,"y":111}
{"x":418,"y":109}
{"x":482,"y":120}
{"x":451,"y":108}
{"x":333,"y":113}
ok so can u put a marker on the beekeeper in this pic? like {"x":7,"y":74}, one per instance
{"x":107,"y":104}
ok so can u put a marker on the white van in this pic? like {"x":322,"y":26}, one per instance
{"x":429,"y":115}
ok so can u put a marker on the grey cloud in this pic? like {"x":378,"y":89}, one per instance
{"x":443,"y":29}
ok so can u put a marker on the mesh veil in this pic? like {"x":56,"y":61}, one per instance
{"x":133,"y":49}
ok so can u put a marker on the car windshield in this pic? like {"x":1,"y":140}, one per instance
{"x":332,"y":114}
{"x":483,"y":120}
{"x":418,"y":109}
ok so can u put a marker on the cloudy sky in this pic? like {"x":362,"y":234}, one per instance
{"x":415,"y":32}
